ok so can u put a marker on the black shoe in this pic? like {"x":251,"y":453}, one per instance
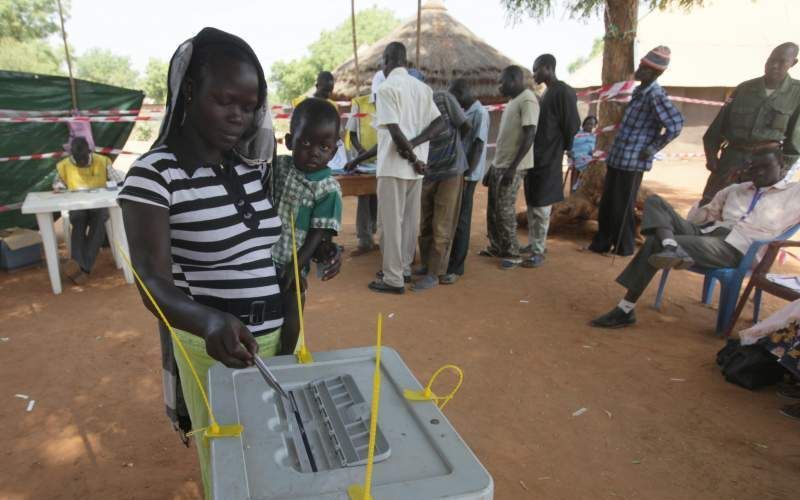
{"x":381,"y":287}
{"x":615,"y":318}
{"x":406,"y":277}
{"x":671,"y":258}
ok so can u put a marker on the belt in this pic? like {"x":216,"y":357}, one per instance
{"x":250,"y":312}
{"x":752,"y":147}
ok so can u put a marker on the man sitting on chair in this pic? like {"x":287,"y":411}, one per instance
{"x":713,"y":236}
{"x":84,"y":170}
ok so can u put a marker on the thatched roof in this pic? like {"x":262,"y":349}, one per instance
{"x":448,"y":50}
{"x":720,"y":44}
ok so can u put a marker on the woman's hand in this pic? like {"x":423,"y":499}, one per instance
{"x":230,"y":342}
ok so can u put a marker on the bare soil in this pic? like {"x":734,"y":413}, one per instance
{"x":660,"y":421}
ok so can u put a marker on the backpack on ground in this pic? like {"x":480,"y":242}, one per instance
{"x":750,"y":366}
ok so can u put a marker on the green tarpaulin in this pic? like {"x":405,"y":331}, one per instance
{"x":29,"y":92}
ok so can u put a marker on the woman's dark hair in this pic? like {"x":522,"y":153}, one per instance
{"x":316,"y":111}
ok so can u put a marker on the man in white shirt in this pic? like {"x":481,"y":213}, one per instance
{"x":713,"y":236}
{"x":406,"y":119}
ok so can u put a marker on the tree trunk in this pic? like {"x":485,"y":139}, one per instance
{"x":580,"y":208}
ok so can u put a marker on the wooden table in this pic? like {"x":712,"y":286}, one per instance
{"x":44,"y":203}
{"x":357,"y":185}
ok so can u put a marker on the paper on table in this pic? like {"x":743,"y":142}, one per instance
{"x":791,"y":282}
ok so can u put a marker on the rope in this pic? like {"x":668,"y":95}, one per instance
{"x":357,"y":491}
{"x":214,"y":430}
{"x":303,"y":356}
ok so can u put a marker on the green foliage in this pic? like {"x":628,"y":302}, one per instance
{"x":29,"y":19}
{"x":31,"y":56}
{"x":539,"y":9}
{"x":144,"y":131}
{"x":154,"y":82}
{"x":329,"y":51}
{"x":101,"y":65}
{"x":597,"y":48}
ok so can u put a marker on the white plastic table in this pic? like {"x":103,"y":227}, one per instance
{"x":44,"y":203}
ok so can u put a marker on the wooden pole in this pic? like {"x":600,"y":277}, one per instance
{"x":355,"y":46}
{"x":69,"y":60}
{"x":419,"y":27}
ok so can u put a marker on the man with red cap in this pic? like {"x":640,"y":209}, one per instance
{"x":639,"y":138}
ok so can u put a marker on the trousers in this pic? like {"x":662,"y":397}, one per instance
{"x":538,"y":225}
{"x":366,"y":219}
{"x":460,"y":249}
{"x":441,"y":200}
{"x":398,"y":217}
{"x":88,"y":234}
{"x":615,"y":218}
{"x":708,"y":250}
{"x":501,"y":219}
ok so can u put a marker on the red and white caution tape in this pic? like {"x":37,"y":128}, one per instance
{"x":602,"y":155}
{"x":9,"y":207}
{"x":11,"y":113}
{"x":59,"y":154}
{"x":620,"y":92}
{"x":66,"y":119}
{"x":696,"y":101}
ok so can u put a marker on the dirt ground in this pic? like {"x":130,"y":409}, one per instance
{"x":660,"y":421}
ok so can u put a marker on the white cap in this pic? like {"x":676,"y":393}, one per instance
{"x":376,"y":82}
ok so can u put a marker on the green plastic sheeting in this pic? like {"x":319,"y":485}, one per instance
{"x":29,"y":92}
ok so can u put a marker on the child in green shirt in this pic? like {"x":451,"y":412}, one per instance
{"x":303,"y":187}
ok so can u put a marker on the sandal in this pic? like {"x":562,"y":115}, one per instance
{"x":364,"y":250}
{"x":448,"y":279}
{"x":789,"y":391}
{"x":510,"y":263}
{"x":791,"y":411}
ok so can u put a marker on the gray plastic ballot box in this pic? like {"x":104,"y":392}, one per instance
{"x":419,"y":455}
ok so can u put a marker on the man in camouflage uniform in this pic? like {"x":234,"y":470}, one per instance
{"x":761,"y":113}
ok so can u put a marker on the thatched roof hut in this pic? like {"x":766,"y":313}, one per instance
{"x":448,"y":50}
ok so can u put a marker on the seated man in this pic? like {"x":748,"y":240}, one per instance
{"x":716,"y":235}
{"x":84,"y":170}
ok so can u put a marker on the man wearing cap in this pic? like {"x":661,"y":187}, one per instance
{"x":639,"y":138}
{"x":761,"y":113}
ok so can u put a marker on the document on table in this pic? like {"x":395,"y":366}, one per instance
{"x":791,"y":282}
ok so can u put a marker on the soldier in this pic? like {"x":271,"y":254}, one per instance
{"x":761,"y":113}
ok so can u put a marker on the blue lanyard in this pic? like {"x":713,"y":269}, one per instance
{"x":753,"y":202}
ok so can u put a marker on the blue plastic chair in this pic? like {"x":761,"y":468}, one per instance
{"x":730,"y":280}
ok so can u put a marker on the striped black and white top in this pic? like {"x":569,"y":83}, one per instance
{"x":216,"y":259}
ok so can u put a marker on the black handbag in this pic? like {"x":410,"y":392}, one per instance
{"x":750,"y":366}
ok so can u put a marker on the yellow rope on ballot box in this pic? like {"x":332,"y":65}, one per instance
{"x":214,"y":430}
{"x":303,"y":354}
{"x":427,"y":393}
{"x":359,"y":491}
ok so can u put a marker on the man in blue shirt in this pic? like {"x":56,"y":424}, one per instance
{"x":639,"y":138}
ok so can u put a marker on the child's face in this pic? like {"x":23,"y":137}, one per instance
{"x":589,"y":125}
{"x":313,"y":145}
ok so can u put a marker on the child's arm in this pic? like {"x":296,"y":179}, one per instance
{"x":315,"y":239}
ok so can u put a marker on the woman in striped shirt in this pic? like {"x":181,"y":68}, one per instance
{"x":200,"y":222}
